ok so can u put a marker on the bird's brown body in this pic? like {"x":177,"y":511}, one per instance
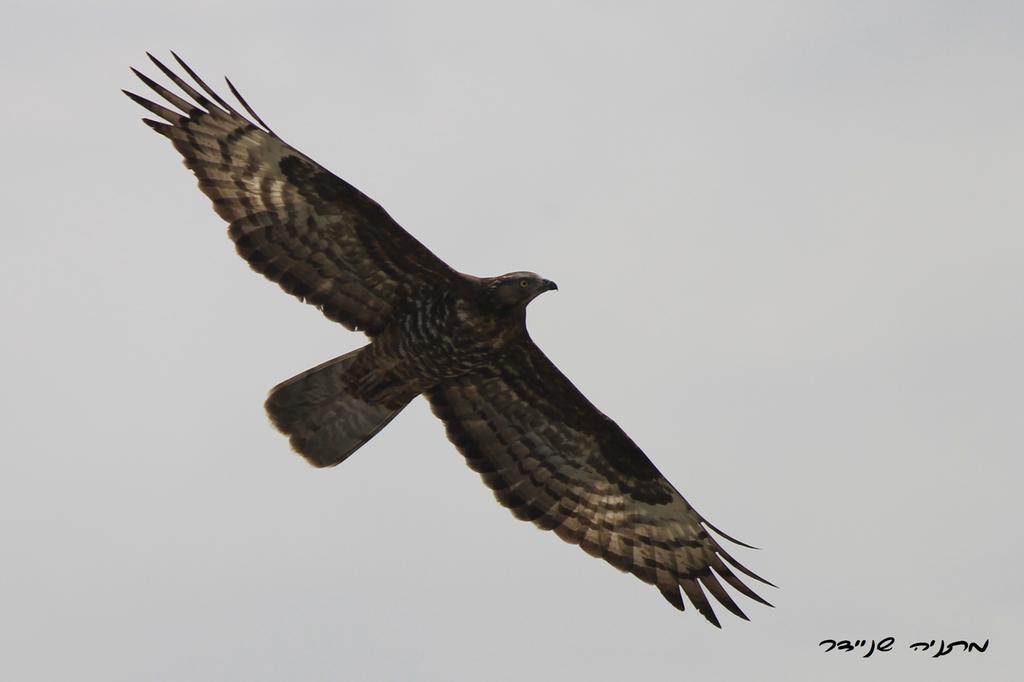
{"x":438,"y":336}
{"x":548,"y":454}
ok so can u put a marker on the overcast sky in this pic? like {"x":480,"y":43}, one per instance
{"x":788,"y":239}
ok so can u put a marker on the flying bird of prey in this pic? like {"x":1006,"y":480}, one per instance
{"x":547,"y":453}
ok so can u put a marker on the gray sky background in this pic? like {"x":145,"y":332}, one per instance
{"x":789,"y":243}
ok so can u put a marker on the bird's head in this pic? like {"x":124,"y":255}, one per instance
{"x":516,"y":289}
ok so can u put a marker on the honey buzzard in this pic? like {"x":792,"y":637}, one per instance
{"x":547,"y":453}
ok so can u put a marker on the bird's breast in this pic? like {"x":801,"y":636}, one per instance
{"x":444,"y":337}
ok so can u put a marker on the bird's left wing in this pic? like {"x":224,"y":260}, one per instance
{"x":552,"y":458}
{"x":295,"y":222}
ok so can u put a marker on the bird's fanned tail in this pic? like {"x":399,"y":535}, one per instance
{"x":324,"y":416}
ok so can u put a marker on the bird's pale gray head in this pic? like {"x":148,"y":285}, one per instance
{"x":516,"y":289}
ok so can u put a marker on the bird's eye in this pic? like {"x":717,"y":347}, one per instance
{"x":524,"y":283}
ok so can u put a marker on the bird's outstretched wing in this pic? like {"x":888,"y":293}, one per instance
{"x":301,"y":226}
{"x":552,"y":458}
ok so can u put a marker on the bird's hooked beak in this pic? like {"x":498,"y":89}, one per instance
{"x":548,"y":285}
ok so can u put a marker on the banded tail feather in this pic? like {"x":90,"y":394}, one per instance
{"x":324,"y":417}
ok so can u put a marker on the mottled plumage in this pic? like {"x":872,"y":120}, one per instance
{"x":547,"y":453}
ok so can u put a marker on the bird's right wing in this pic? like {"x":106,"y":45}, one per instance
{"x":552,"y":458}
{"x":301,"y":226}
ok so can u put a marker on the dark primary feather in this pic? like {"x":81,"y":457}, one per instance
{"x":301,"y":226}
{"x":547,"y":453}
